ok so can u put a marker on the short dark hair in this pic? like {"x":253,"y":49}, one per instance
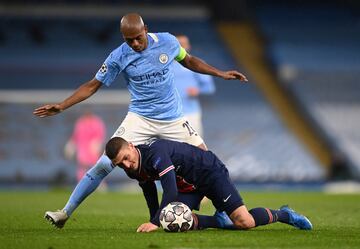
{"x":113,"y":147}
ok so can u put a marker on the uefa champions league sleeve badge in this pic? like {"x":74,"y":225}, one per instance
{"x":103,"y":69}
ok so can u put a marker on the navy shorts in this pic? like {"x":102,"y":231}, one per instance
{"x":192,"y":199}
{"x":222,"y":192}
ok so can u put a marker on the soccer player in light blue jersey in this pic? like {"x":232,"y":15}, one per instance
{"x":190,"y":86}
{"x":146,"y":61}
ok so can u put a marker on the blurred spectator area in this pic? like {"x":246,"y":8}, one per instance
{"x":315,"y":49}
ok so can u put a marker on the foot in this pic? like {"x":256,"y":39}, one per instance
{"x":224,"y":220}
{"x":57,"y":218}
{"x":297,"y":220}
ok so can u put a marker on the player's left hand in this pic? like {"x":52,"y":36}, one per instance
{"x":233,"y":75}
{"x":147,"y":227}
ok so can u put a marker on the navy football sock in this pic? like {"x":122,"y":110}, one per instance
{"x":204,"y":221}
{"x":264,"y":216}
{"x":283,"y":216}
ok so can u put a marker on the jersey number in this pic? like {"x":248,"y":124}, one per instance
{"x":190,"y":129}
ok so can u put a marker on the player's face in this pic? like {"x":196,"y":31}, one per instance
{"x":127,"y":158}
{"x":136,"y":39}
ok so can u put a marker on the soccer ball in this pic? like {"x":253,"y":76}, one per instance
{"x":176,"y":217}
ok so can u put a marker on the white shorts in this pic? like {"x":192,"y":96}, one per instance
{"x":140,"y":130}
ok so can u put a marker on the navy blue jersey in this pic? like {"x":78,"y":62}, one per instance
{"x":180,"y":167}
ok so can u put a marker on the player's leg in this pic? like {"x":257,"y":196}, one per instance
{"x":85,"y":187}
{"x":227,"y":200}
{"x":244,"y":219}
{"x":192,"y":200}
{"x":129,"y":128}
{"x":180,"y":130}
{"x":218,"y":220}
{"x":225,"y":197}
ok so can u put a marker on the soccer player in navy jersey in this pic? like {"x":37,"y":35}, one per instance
{"x":187,"y":174}
{"x":155,"y":110}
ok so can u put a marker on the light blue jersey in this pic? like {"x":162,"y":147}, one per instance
{"x":149,"y":76}
{"x":185,"y":78}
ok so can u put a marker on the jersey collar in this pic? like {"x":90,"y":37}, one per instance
{"x":152,"y":38}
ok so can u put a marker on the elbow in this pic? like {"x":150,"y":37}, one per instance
{"x":92,"y":86}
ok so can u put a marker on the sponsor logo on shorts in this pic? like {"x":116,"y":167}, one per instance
{"x":163,"y":58}
{"x":227,"y":198}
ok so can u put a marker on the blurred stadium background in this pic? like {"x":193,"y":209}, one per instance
{"x":297,"y":123}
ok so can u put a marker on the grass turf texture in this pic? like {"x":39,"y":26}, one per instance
{"x":109,"y":220}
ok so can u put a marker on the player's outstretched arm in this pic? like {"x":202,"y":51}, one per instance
{"x":83,"y":92}
{"x":197,"y":65}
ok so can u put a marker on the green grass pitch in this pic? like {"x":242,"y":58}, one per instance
{"x":109,"y":220}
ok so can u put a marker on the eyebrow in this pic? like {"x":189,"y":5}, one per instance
{"x":117,"y":162}
{"x":133,"y":38}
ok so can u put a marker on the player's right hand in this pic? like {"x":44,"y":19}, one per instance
{"x":47,"y":110}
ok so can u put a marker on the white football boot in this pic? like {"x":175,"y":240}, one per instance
{"x":57,"y":218}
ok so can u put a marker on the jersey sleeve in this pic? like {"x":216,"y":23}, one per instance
{"x":166,"y":171}
{"x":151,"y":197}
{"x":173,"y":46}
{"x":109,"y":70}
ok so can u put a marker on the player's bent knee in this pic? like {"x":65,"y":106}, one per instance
{"x":243,"y":224}
{"x":242,"y":219}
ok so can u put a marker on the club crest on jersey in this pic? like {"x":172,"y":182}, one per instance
{"x":103,"y":68}
{"x":120,"y":131}
{"x":163,"y":58}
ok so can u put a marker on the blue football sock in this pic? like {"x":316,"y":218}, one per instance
{"x":88,"y":183}
{"x":264,"y":216}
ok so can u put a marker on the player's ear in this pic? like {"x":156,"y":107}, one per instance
{"x":131,"y":145}
{"x":145,"y":28}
